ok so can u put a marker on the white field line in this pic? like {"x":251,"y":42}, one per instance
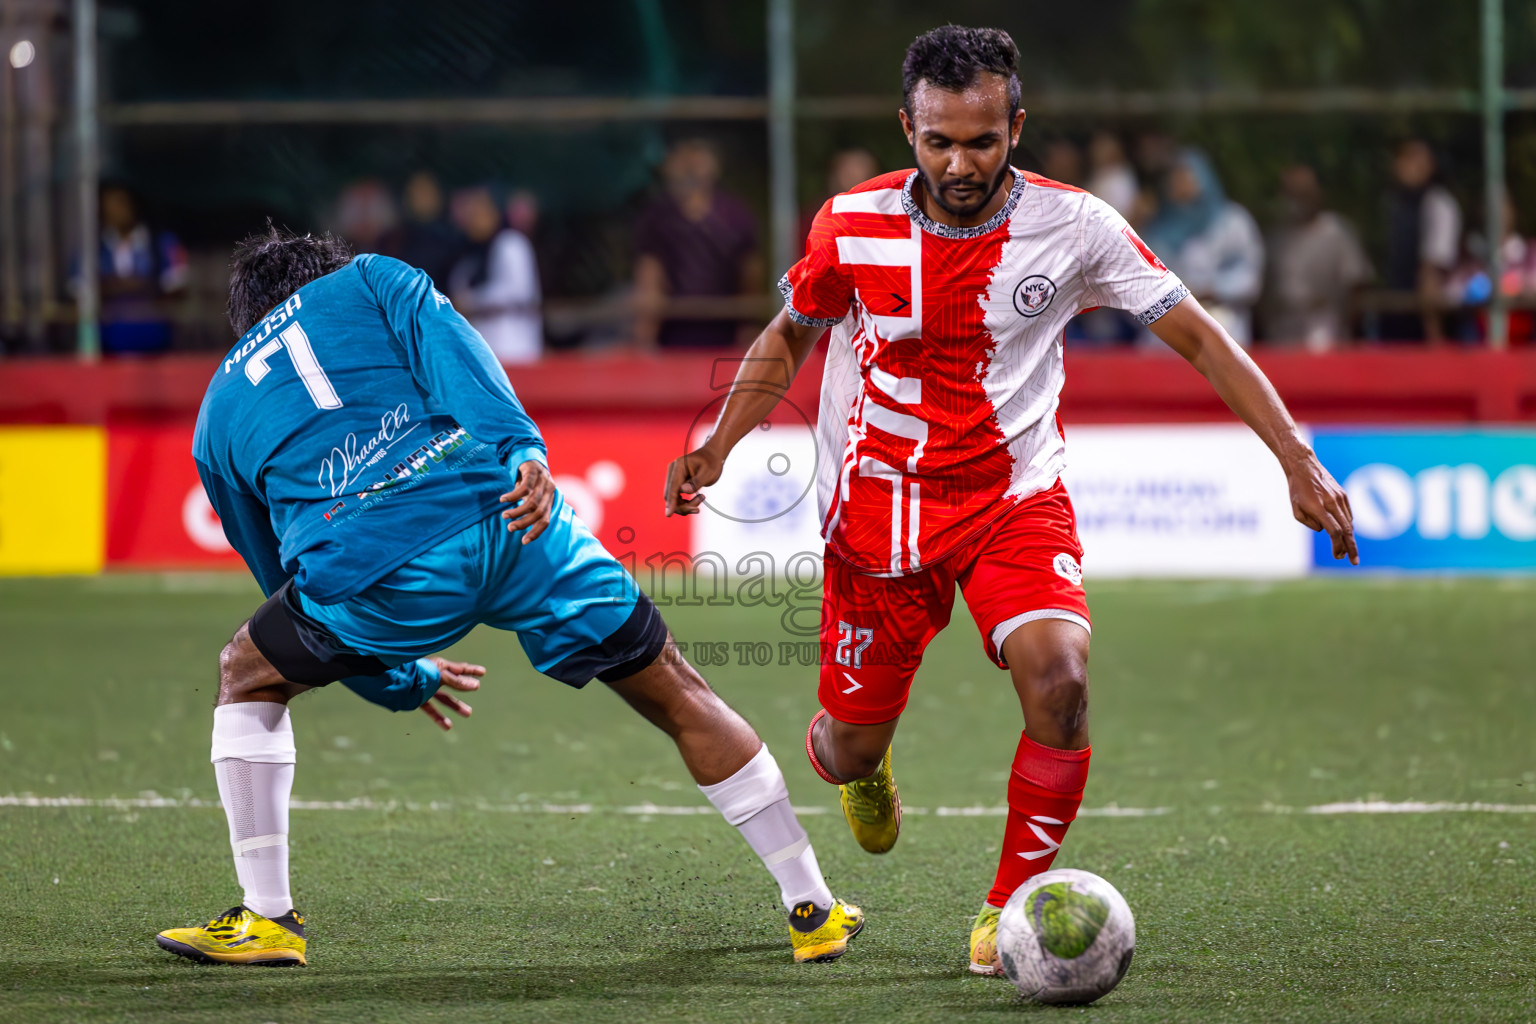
{"x":154,"y":800}
{"x":1418,"y":807}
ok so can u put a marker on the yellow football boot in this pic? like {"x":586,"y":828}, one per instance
{"x":984,"y":941}
{"x":240,"y":936}
{"x":873,"y":808}
{"x":821,"y":935}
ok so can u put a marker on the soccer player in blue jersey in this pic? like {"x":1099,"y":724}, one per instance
{"x":358,"y":443}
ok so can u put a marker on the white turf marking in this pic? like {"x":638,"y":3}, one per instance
{"x":1418,"y":807}
{"x":154,"y":800}
{"x":151,"y":800}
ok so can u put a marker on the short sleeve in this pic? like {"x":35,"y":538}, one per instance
{"x":818,"y":290}
{"x":1441,"y":232}
{"x":1121,"y":271}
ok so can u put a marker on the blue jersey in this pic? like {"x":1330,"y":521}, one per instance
{"x":357,"y":425}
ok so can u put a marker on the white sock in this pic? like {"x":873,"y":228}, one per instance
{"x":253,"y":756}
{"x":756,"y":801}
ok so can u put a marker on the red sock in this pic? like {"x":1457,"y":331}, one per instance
{"x":1044,"y":791}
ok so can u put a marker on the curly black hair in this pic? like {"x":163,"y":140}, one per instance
{"x":268,"y":267}
{"x":952,"y":57}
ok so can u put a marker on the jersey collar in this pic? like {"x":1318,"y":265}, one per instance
{"x":933,"y":227}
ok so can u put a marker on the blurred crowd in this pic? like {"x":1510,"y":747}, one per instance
{"x":1304,"y":279}
{"x":1293,"y":275}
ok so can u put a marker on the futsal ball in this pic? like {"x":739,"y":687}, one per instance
{"x":1066,"y":937}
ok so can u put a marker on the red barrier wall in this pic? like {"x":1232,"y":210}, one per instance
{"x":158,"y":516}
{"x":1369,"y":385}
{"x":613,"y":423}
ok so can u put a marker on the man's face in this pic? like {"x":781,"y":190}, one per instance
{"x":423,"y":197}
{"x":117,"y":210}
{"x":1300,"y":192}
{"x":1413,"y":165}
{"x":690,"y":168}
{"x":961,"y":141}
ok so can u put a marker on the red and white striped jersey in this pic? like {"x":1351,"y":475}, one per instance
{"x":944,"y":371}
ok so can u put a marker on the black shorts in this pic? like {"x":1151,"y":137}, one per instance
{"x":301,"y":649}
{"x":304,"y":651}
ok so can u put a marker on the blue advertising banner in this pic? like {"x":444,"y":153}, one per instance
{"x":1436,"y":499}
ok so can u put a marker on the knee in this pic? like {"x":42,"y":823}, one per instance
{"x":1060,"y":690}
{"x":238,"y":661}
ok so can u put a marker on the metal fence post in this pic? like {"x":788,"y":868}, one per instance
{"x":784,"y":213}
{"x":87,"y":299}
{"x":1493,"y":166}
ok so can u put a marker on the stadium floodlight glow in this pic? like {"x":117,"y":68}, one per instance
{"x":23,"y":53}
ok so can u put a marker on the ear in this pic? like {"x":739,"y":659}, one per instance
{"x":906,"y":125}
{"x":1016,"y":129}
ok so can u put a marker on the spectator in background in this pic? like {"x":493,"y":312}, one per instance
{"x":1063,"y":162}
{"x":139,"y":268}
{"x":1211,"y":242}
{"x":692,"y":241}
{"x":523,"y":213}
{"x":365,"y":216}
{"x":1470,"y":284}
{"x":1423,"y":240}
{"x":425,"y":239}
{"x":1155,"y":156}
{"x":850,"y":168}
{"x":495,"y":282}
{"x":1111,"y":176}
{"x":847,"y":169}
{"x":1316,"y":264}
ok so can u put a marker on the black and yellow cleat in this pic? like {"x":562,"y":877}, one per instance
{"x":240,"y":936}
{"x":819,"y":935}
{"x":984,"y":941}
{"x":873,"y":808}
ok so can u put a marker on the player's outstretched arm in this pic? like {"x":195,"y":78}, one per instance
{"x":783,"y":346}
{"x":1317,"y":500}
{"x":416,"y":684}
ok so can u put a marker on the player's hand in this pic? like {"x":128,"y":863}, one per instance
{"x":687,"y":475}
{"x":456,"y":675}
{"x":1319,"y":503}
{"x":531,"y":499}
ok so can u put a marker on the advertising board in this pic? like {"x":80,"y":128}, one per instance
{"x":1182,"y":501}
{"x":1437,"y":499}
{"x":52,"y":481}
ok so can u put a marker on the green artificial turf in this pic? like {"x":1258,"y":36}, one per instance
{"x":461,"y":891}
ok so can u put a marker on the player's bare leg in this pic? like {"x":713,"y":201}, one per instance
{"x":735,"y":771}
{"x":714,"y":741}
{"x":1048,"y":659}
{"x":850,"y":752}
{"x":858,"y":759}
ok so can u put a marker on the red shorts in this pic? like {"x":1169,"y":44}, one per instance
{"x":1024,"y":565}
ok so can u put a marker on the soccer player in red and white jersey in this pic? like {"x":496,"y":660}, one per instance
{"x":947,"y":289}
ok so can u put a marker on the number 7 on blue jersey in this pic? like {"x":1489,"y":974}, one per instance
{"x":303,"y":355}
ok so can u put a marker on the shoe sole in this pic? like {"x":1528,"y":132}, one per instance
{"x":985,"y":970}
{"x":831,"y":950}
{"x":258,"y":958}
